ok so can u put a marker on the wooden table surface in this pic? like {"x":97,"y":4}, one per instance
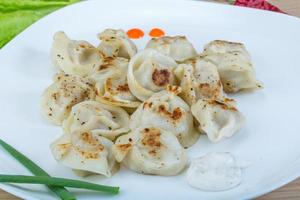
{"x":290,"y":191}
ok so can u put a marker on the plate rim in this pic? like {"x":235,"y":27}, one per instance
{"x":23,"y":193}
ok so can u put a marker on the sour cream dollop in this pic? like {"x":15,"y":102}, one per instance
{"x":214,"y":172}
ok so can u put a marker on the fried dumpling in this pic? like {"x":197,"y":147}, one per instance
{"x":111,"y":83}
{"x":234,"y":65}
{"x":85,"y":153}
{"x":98,"y":118}
{"x":66,"y":91}
{"x":150,"y":150}
{"x":167,"y":111}
{"x":199,"y":78}
{"x":177,"y":47}
{"x":74,"y":57}
{"x":115,"y":43}
{"x":150,"y":71}
{"x":222,"y":46}
{"x":219,"y":120}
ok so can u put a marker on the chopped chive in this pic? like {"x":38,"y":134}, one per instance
{"x":60,"y":191}
{"x":53,"y":181}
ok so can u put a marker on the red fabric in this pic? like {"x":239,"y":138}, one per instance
{"x":260,"y":4}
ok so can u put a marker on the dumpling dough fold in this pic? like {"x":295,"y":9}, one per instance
{"x":66,"y":91}
{"x":177,"y":47}
{"x":167,"y":111}
{"x":115,"y":43}
{"x":219,"y":120}
{"x":111,"y":83}
{"x":199,"y":78}
{"x":85,"y":153}
{"x":74,"y":57}
{"x":234,"y":65}
{"x":98,"y":118}
{"x":150,"y":71}
{"x":150,"y":150}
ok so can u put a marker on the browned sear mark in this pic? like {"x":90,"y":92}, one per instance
{"x":175,"y":115}
{"x":85,"y":46}
{"x":55,"y":95}
{"x":223,"y":105}
{"x":174,"y":89}
{"x":104,"y":66}
{"x":88,"y":138}
{"x":88,"y":154}
{"x":123,"y":88}
{"x":161,"y":77}
{"x":151,"y":139}
{"x":147,"y":105}
{"x":107,"y":63}
{"x":97,"y":147}
{"x":210,"y":91}
{"x":204,"y":85}
{"x":123,"y":147}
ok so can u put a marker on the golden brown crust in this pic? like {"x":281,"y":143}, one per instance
{"x":175,"y":115}
{"x":151,"y":140}
{"x":97,"y":147}
{"x":174,"y":89}
{"x":119,"y":88}
{"x":123,"y":88}
{"x":211,"y":91}
{"x":107,"y":63}
{"x":147,"y":105}
{"x":223,"y":105}
{"x":124,"y":147}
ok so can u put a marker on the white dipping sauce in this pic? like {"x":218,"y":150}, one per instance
{"x":214,"y":172}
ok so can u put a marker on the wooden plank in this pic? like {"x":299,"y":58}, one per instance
{"x":291,"y":7}
{"x":291,"y":192}
{"x":6,"y":196}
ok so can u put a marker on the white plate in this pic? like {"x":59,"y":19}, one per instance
{"x":270,"y":140}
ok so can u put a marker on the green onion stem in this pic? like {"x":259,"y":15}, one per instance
{"x":53,"y":181}
{"x":60,"y":191}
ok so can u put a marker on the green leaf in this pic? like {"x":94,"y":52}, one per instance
{"x":16,"y":15}
{"x":17,"y":5}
